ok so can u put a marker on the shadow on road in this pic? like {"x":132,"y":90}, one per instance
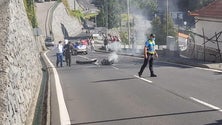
{"x":113,"y":80}
{"x":218,"y":122}
{"x":149,"y":116}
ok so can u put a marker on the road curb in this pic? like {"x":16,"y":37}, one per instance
{"x":49,"y":71}
{"x":175,"y":60}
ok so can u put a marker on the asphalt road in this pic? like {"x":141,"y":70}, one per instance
{"x":95,"y":94}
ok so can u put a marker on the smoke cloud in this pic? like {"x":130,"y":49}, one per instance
{"x":115,"y":47}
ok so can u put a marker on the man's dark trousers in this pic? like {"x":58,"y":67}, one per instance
{"x":150,"y":59}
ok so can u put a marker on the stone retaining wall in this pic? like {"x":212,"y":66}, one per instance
{"x":63,"y":25}
{"x":20,"y":66}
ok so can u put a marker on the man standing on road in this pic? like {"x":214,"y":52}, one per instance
{"x":92,"y":44}
{"x":149,"y":52}
{"x":106,"y":43}
{"x":59,"y":54}
{"x":68,"y":50}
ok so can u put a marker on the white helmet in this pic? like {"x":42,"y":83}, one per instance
{"x":66,"y":41}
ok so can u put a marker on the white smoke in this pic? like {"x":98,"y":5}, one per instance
{"x":142,"y":28}
{"x":115,"y":47}
{"x":113,"y":57}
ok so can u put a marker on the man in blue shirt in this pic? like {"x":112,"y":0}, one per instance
{"x":149,"y":52}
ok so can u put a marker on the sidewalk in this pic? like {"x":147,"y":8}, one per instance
{"x":192,"y":62}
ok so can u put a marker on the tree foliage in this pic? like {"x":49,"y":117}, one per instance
{"x":192,"y":4}
{"x":112,"y":14}
{"x":162,"y":28}
{"x":124,"y":37}
{"x":30,"y":10}
{"x":109,"y":15}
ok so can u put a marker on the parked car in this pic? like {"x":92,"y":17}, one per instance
{"x":84,"y":42}
{"x":49,"y":41}
{"x":80,"y":48}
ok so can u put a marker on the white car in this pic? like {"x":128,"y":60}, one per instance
{"x":80,"y":49}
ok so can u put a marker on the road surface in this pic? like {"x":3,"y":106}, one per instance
{"x":95,"y":94}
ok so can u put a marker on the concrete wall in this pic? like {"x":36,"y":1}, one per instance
{"x":64,"y":26}
{"x":210,"y":26}
{"x":20,"y":67}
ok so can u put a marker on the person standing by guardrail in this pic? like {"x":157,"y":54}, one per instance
{"x":68,"y":50}
{"x":59,"y":54}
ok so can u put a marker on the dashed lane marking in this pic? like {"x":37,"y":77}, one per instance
{"x":64,"y":116}
{"x":146,"y":80}
{"x":206,"y":104}
{"x":115,"y":68}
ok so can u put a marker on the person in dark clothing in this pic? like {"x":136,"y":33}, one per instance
{"x":68,"y":50}
{"x":106,"y":43}
{"x":149,"y":53}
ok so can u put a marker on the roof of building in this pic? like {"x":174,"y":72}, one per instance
{"x":213,"y":10}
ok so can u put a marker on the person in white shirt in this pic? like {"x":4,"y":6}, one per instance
{"x":59,"y":54}
{"x":92,"y":44}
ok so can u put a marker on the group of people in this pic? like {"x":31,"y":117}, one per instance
{"x":91,"y":42}
{"x":113,"y":38}
{"x":149,"y":53}
{"x":109,"y":39}
{"x":64,"y":50}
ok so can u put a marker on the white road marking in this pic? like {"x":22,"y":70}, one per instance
{"x":206,"y":104}
{"x":207,"y":69}
{"x":84,"y":57}
{"x":64,"y":116}
{"x":214,"y":70}
{"x":146,"y":80}
{"x":115,"y":68}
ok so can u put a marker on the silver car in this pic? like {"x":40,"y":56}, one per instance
{"x":49,"y":41}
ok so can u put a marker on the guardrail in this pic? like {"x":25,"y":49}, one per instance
{"x":48,"y":24}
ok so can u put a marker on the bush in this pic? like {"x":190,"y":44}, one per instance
{"x":30,"y":10}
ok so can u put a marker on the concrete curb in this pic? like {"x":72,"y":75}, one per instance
{"x":48,"y":102}
{"x":183,"y":61}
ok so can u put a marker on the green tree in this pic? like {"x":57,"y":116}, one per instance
{"x":171,"y":30}
{"x":157,"y":28}
{"x":101,"y":18}
{"x":197,"y":4}
{"x":192,"y":4}
{"x":148,"y":7}
{"x":30,"y":10}
{"x":124,"y":37}
{"x":110,"y":11}
{"x":163,"y":28}
{"x":113,"y":13}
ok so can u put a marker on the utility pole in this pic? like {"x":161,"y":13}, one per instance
{"x":128,"y":21}
{"x":167,"y":8}
{"x":107,"y":18}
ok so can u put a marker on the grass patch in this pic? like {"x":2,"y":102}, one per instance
{"x":30,"y":10}
{"x":90,"y":15}
{"x":77,"y":13}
